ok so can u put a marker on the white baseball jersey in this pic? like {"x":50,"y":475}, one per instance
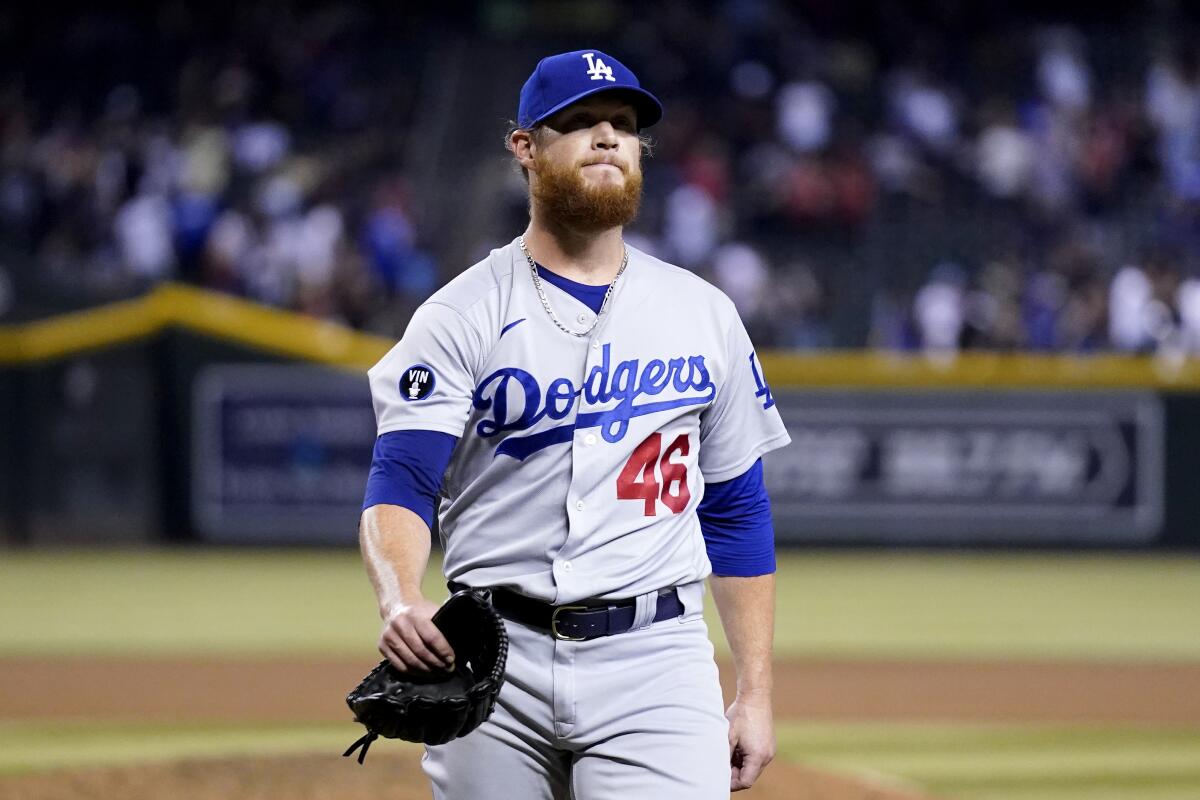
{"x":581,"y":460}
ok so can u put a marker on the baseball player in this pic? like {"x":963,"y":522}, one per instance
{"x":590,"y":423}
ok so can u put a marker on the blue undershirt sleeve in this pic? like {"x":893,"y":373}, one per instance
{"x":407,"y":468}
{"x":735,"y":518}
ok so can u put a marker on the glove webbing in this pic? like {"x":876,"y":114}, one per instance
{"x":365,"y":743}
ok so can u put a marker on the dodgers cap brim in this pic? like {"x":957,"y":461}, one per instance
{"x":649,"y":110}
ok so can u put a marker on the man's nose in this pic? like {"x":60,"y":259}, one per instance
{"x":605,"y":135}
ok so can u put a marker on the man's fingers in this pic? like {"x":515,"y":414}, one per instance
{"x":427,"y":657}
{"x":745,"y":776}
{"x":735,"y":768}
{"x":401,"y":656}
{"x":392,"y":656}
{"x":436,"y":642}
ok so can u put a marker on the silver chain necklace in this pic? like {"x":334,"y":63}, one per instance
{"x":537,"y":284}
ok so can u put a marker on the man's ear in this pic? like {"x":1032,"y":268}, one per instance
{"x":522,"y":144}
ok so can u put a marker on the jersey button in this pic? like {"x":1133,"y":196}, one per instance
{"x":566,"y":565}
{"x":590,"y":439}
{"x":579,"y":505}
{"x":582,"y":318}
{"x":595,"y":344}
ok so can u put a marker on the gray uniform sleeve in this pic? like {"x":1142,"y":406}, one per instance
{"x":426,"y":381}
{"x":742,"y":423}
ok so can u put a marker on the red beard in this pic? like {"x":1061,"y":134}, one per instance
{"x":565,"y":198}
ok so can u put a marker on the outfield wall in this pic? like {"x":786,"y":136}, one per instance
{"x":186,"y":415}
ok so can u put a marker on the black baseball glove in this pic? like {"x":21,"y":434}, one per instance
{"x":438,"y":706}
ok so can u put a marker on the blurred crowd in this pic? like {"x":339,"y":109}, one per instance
{"x":985,"y":182}
{"x":261,"y":155}
{"x":857,"y":176}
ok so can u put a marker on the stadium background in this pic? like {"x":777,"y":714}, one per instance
{"x":963,"y":235}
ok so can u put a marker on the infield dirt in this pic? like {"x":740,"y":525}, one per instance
{"x":325,"y":777}
{"x":284,"y":690}
{"x":312,"y":690}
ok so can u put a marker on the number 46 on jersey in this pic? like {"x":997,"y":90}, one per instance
{"x":651,"y":476}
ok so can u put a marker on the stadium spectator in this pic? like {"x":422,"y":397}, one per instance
{"x":264,"y":154}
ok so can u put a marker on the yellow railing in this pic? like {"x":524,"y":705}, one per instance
{"x":209,"y":313}
{"x":297,"y":336}
{"x":979,"y":370}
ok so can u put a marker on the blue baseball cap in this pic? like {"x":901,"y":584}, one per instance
{"x":558,"y":81}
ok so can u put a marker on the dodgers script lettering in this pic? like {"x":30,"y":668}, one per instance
{"x":625,"y":383}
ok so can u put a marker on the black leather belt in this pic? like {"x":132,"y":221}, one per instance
{"x":578,"y":622}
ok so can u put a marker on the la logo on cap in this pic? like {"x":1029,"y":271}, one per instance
{"x":597,"y":69}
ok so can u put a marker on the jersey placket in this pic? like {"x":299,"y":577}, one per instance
{"x":578,"y":522}
{"x":581,"y":516}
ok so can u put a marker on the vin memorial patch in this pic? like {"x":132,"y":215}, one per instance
{"x":417,"y":382}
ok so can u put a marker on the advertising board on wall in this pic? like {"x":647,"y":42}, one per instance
{"x":281,"y":454}
{"x":938,"y":467}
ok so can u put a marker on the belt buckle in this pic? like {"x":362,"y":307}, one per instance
{"x":562,"y":637}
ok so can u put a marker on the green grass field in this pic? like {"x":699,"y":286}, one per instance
{"x":863,"y":605}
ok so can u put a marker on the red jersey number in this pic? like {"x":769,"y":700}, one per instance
{"x":639,"y":478}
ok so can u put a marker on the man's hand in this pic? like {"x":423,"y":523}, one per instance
{"x":412,"y":642}
{"x":751,"y":739}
